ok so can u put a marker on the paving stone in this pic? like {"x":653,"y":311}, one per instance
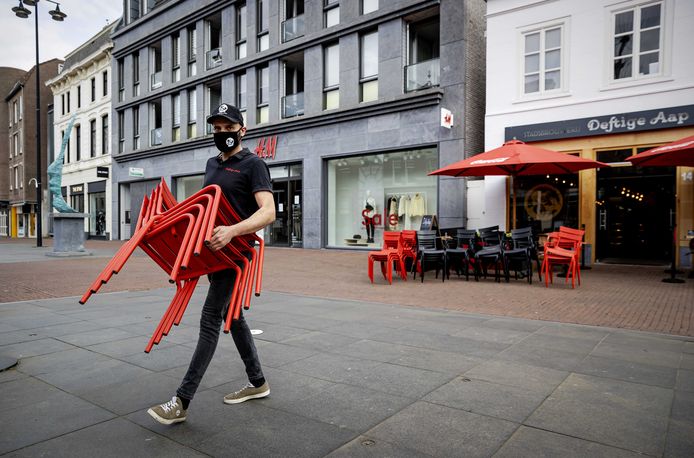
{"x":133,"y":393}
{"x":514,"y":324}
{"x":59,"y":414}
{"x":574,"y":331}
{"x":638,"y":354}
{"x":687,"y":361}
{"x":486,"y":398}
{"x":560,"y":343}
{"x":95,"y":337}
{"x":438,"y":361}
{"x":25,"y":391}
{"x":281,"y":434}
{"x":360,"y":329}
{"x":532,"y":378}
{"x":688,"y":347}
{"x":506,"y":336}
{"x":120,"y":348}
{"x":10,"y":375}
{"x":629,"y":371}
{"x":537,"y":443}
{"x":277,"y":355}
{"x":541,"y":357}
{"x":162,"y":357}
{"x":19,"y":336}
{"x":389,"y":378}
{"x":74,"y":358}
{"x":685,"y":380}
{"x":680,"y":440}
{"x":98,"y":374}
{"x":611,"y":412}
{"x":114,"y":438}
{"x":469,"y":347}
{"x":438,"y":430}
{"x":367,"y":447}
{"x":320,"y":341}
{"x":278,"y":333}
{"x":286,"y":388}
{"x":683,"y":406}
{"x":374,"y":350}
{"x":34,"y":348}
{"x":346,"y":406}
{"x":645,"y":341}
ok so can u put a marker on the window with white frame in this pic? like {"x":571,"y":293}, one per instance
{"x":331,"y":77}
{"x":368,"y":67}
{"x":192,"y":113}
{"x":637,"y":41}
{"x":176,"y":57}
{"x":176,"y":117}
{"x":241,"y":93}
{"x":331,"y":13}
{"x":241,"y":31}
{"x":21,"y":105}
{"x":542,"y":60}
{"x":192,"y":50}
{"x":263,"y":17}
{"x":21,"y":141}
{"x":263,"y":96}
{"x":369,"y":6}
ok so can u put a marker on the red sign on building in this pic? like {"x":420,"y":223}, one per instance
{"x":267,"y":147}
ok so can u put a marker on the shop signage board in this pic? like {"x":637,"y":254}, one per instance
{"x":446,"y":118}
{"x":136,"y":172}
{"x":76,"y":188}
{"x":636,"y":121}
{"x":102,"y":172}
{"x":429,"y":223}
{"x":267,"y":147}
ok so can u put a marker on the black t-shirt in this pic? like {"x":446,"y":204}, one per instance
{"x":240,"y":177}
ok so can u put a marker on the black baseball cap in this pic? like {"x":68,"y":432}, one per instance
{"x":228,"y":112}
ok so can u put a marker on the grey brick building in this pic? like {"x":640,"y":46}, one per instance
{"x":344,"y":99}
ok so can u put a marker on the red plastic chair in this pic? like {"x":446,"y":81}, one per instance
{"x":562,"y":248}
{"x":392,"y":252}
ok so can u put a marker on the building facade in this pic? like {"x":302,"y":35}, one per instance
{"x":345,"y":100}
{"x":21,"y":108}
{"x":602,"y":80}
{"x":83,"y":90}
{"x":8,"y":77}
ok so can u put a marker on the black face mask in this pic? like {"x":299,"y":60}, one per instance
{"x":227,"y":141}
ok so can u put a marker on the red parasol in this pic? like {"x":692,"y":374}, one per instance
{"x":677,"y":153}
{"x":515,"y":158}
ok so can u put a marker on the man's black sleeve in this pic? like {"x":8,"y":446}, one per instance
{"x":260,"y":177}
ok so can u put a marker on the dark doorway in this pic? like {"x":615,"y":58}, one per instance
{"x":286,"y":230}
{"x":635,"y":210}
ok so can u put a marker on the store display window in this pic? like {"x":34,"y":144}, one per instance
{"x":546,"y":202}
{"x":185,"y":187}
{"x":372,"y":193}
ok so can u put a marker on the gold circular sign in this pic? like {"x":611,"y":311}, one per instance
{"x":543,"y":202}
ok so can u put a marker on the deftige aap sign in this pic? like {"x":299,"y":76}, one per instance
{"x":604,"y":125}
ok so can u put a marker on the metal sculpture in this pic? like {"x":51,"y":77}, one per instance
{"x":55,"y":174}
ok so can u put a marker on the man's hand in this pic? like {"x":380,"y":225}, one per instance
{"x":221,"y":236}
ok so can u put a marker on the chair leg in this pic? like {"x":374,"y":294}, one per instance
{"x":371,"y":269}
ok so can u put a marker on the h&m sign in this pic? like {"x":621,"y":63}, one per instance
{"x":267,"y":147}
{"x":636,"y":121}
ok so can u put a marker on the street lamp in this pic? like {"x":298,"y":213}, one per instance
{"x":57,"y":15}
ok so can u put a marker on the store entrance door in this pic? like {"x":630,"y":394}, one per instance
{"x":635,"y":210}
{"x":286,"y":230}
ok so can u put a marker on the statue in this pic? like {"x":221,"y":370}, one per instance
{"x":55,"y":174}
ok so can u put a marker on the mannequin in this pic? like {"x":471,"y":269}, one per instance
{"x":368,"y":214}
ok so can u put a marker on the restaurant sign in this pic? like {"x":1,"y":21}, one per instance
{"x":636,"y":121}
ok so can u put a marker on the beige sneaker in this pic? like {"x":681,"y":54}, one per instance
{"x":168,"y":413}
{"x":246,"y":393}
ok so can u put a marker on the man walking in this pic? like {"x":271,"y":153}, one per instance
{"x":245,"y":181}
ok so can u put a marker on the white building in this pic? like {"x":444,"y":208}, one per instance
{"x":602,"y":79}
{"x":82,"y":89}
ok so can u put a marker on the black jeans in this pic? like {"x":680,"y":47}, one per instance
{"x":213,"y":314}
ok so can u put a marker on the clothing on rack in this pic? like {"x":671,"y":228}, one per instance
{"x":417,"y":206}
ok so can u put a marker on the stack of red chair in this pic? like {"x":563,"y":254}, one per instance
{"x":174,"y":235}
{"x":563,"y":247}
{"x":393,"y":251}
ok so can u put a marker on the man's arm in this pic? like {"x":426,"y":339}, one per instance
{"x":222,"y":235}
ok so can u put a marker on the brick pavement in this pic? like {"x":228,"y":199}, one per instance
{"x":631,"y":297}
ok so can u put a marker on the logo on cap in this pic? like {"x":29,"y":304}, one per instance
{"x":230,"y":142}
{"x":223,"y":108}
